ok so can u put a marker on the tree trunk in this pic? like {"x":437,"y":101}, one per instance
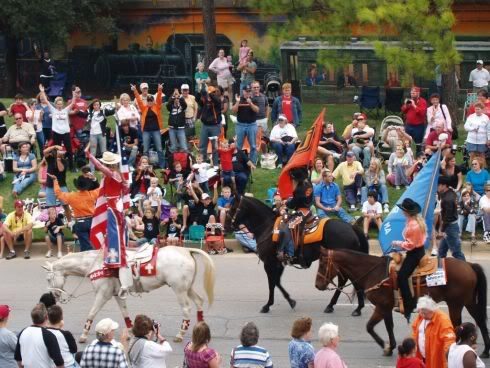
{"x":450,"y":95}
{"x":209,"y":26}
{"x":10,"y":65}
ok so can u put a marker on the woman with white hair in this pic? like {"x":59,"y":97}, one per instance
{"x":433,"y":332}
{"x":327,"y":356}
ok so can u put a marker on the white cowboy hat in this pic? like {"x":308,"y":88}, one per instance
{"x":110,"y":158}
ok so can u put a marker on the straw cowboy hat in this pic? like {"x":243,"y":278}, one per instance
{"x":110,"y":158}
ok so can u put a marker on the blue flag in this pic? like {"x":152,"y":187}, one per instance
{"x":423,"y":191}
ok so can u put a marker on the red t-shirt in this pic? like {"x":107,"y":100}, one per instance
{"x":433,"y":138}
{"x":78,"y":122}
{"x":19,"y":109}
{"x":415,"y":115}
{"x":409,"y":363}
{"x":471,"y":109}
{"x":287,"y":108}
{"x":226,"y":157}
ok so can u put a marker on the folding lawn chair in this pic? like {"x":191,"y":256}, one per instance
{"x":393,"y":101}
{"x":196,"y":234}
{"x":370,"y":99}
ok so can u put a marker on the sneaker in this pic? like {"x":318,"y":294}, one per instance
{"x":27,"y":254}
{"x":279,"y":166}
{"x":48,"y":254}
{"x":398,"y":187}
{"x":386,"y":208}
{"x":11,"y":255}
{"x":434,"y":252}
{"x":60,"y":254}
{"x":352,"y":207}
{"x":222,"y":251}
{"x":486,"y":237}
{"x":212,"y":252}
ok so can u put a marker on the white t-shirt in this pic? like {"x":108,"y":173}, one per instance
{"x":154,"y":194}
{"x":480,"y":78}
{"x":221,"y":68}
{"x":368,"y":208}
{"x":477,"y":128}
{"x":457,"y":353}
{"x":97,"y":118}
{"x":202,"y":172}
{"x":61,"y":120}
{"x":128,"y":113}
{"x":423,"y":325}
{"x":36,"y":121}
{"x":153,"y":355}
{"x":366,"y":129}
{"x":484,"y":202}
{"x":287,"y":131}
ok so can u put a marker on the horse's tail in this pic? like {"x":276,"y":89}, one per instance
{"x":209,"y":273}
{"x":363,"y":242}
{"x":481,"y":288}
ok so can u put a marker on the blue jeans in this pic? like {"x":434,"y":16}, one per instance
{"x":51,"y":197}
{"x":367,"y":155}
{"x":177,"y":138}
{"x":40,"y":142}
{"x":352,"y":189}
{"x":19,"y":187}
{"x":131,"y":154}
{"x":248,"y":130}
{"x":97,"y":141}
{"x":417,"y":133}
{"x":208,"y":131}
{"x":245,"y":241}
{"x":451,"y":242}
{"x":283,"y":151}
{"x":155,"y":137}
{"x":241,"y":179}
{"x":82,"y":230}
{"x":381,"y":189}
{"x":286,"y":243}
{"x":341,"y":214}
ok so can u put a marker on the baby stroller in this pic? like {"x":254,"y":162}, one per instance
{"x":384,"y":150}
{"x":272,"y":86}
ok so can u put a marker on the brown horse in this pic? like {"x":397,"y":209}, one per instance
{"x":466,"y":287}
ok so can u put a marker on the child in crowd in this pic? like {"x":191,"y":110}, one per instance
{"x":225,"y":201}
{"x":66,"y":341}
{"x":398,"y":163}
{"x":154,"y":193}
{"x":371,"y":212}
{"x":200,"y":171}
{"x":467,"y":210}
{"x":225,"y":152}
{"x":243,"y":51}
{"x":176,"y":180}
{"x":54,"y":231}
{"x":407,"y":355}
{"x":143,"y":205}
{"x":135,"y":225}
{"x":173,"y":227}
{"x":151,"y":222}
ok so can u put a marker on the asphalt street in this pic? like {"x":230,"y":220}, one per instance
{"x":241,"y":289}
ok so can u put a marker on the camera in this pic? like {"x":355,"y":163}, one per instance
{"x":156,"y":325}
{"x":408,"y":102}
{"x":455,"y":148}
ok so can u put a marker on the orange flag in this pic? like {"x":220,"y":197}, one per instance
{"x":302,"y":157}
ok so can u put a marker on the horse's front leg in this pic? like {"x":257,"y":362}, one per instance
{"x":388,"y":318}
{"x":342,"y":281}
{"x":373,"y":321}
{"x":103,"y":293}
{"x":124,"y":311}
{"x":270,"y":268}
{"x":292,"y":302}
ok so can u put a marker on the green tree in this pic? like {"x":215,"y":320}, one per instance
{"x":50,"y":23}
{"x":420,"y":32}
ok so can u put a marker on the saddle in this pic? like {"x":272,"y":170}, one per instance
{"x":141,"y":254}
{"x":142,"y":262}
{"x":312,"y":231}
{"x":427,"y":266}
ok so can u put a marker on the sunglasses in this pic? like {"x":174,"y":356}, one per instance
{"x":18,"y":118}
{"x":360,"y":119}
{"x":474,"y":164}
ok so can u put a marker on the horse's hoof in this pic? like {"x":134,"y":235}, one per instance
{"x":265,"y":309}
{"x":485,"y":355}
{"x":356,"y":313}
{"x":82,"y":339}
{"x":329,"y":309}
{"x":387,"y":352}
{"x":292,"y":303}
{"x":178,"y":339}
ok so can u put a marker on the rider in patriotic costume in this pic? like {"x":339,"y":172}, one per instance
{"x":108,"y":226}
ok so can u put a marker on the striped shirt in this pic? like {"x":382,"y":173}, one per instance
{"x":250,"y":357}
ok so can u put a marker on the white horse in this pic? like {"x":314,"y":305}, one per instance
{"x":176,"y":267}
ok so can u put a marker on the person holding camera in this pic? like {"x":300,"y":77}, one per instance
{"x":283,"y":140}
{"x":393,"y":134}
{"x":176,"y":106}
{"x":438,"y":112}
{"x":438,"y":138}
{"x":210,"y":115}
{"x":148,"y":348}
{"x":361,"y":141}
{"x":415,"y":110}
{"x":141,"y":177}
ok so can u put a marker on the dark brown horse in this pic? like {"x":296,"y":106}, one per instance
{"x":466,"y":287}
{"x":259,"y":219}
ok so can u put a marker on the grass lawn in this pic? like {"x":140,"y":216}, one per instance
{"x":341,"y":115}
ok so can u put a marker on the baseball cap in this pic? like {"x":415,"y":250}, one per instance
{"x":362,"y":115}
{"x":205,"y":196}
{"x":105,"y":326}
{"x":4,"y":311}
{"x":184,"y":86}
{"x":143,"y":85}
{"x":248,"y":88}
{"x":415,"y":89}
{"x":19,"y":203}
{"x":282,"y":117}
{"x":350,"y":154}
{"x":479,"y":62}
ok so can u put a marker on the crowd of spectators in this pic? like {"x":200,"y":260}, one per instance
{"x":433,"y":342}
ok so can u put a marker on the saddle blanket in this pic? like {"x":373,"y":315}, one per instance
{"x":148,"y":268}
{"x":428,"y":266}
{"x":311,"y":235}
{"x":104,"y":273}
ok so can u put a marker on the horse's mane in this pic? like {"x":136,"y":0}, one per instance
{"x":261,"y":212}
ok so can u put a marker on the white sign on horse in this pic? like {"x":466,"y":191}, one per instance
{"x":113,"y":255}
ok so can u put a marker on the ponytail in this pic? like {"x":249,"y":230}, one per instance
{"x":465,"y":331}
{"x":407,"y":347}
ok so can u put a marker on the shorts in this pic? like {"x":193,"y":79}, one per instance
{"x":226,"y":82}
{"x":480,"y":148}
{"x":227,"y":175}
{"x":54,"y":238}
{"x":51,"y":197}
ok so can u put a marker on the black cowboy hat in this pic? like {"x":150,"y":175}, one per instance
{"x":410,"y":206}
{"x":299,"y":174}
{"x":83,"y":183}
{"x":445,"y":180}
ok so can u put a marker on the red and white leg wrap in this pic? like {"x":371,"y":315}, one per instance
{"x":128,"y":322}
{"x":200,"y":316}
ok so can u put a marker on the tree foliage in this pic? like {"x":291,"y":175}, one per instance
{"x":414,"y":27}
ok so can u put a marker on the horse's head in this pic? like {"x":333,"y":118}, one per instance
{"x":230,"y":220}
{"x":327,"y":270}
{"x":56,"y":280}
